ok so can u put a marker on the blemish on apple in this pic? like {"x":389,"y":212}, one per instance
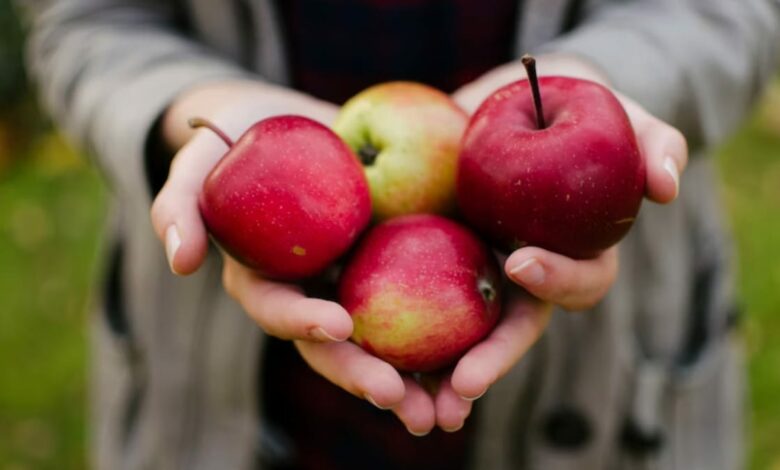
{"x":298,"y":250}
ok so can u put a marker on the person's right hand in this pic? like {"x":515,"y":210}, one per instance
{"x":280,"y":309}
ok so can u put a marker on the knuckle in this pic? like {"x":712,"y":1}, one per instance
{"x":585,"y":291}
{"x":289,"y":326}
{"x":159,"y":211}
{"x":581,"y":301}
{"x":580,"y":298}
{"x":177,"y":163}
{"x":271,"y":328}
{"x":679,"y":137}
{"x":265,"y":312}
{"x":676,"y":136}
{"x":682,"y":142}
{"x":587,"y":298}
{"x":299,"y":312}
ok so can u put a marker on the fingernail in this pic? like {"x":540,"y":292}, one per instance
{"x":671,"y":168}
{"x":172,"y":244}
{"x":529,"y":272}
{"x":319,"y":334}
{"x":418,"y":434}
{"x":371,"y":400}
{"x":453,"y":429}
{"x":474,"y":398}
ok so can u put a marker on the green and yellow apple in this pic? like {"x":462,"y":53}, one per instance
{"x":407,"y":136}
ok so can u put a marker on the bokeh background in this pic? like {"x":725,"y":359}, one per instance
{"x":53,"y":207}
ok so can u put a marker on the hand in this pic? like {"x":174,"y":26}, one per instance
{"x":234,"y":107}
{"x":319,"y":327}
{"x":549,"y":277}
{"x":429,"y":401}
{"x":581,"y":284}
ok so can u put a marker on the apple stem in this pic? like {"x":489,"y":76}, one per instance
{"x":530,"y":67}
{"x":197,"y":122}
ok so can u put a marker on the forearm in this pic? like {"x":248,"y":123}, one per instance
{"x":107,"y":70}
{"x":235,"y":104}
{"x":471,"y":95}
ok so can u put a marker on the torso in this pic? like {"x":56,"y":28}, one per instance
{"x":336,"y":48}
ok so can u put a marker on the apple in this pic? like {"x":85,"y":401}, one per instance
{"x":567,"y":177}
{"x":287,"y":199}
{"x":421,"y":290}
{"x":407,"y":136}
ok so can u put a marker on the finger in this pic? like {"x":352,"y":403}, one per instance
{"x":349,"y":367}
{"x":175,"y":214}
{"x":664,"y":149}
{"x":282,"y":310}
{"x":451,"y":409}
{"x":470,"y":96}
{"x":573,"y":284}
{"x":416,"y":410}
{"x":523,"y":323}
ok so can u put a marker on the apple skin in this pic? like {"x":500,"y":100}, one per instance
{"x":574,"y":187}
{"x":417,"y":132}
{"x":421,"y":290}
{"x":287,"y":199}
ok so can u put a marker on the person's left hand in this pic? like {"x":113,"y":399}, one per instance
{"x":545,"y":278}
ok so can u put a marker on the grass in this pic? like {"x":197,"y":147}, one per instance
{"x":52,"y":207}
{"x":51,"y":212}
{"x":750,"y":169}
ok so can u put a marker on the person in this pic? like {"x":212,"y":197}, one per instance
{"x":186,"y":374}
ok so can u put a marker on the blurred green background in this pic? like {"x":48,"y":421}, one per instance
{"x":53,"y":205}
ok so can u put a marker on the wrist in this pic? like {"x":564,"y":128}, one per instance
{"x":471,"y":95}
{"x":207,"y":100}
{"x":571,"y":65}
{"x":235,"y":106}
{"x":555,"y":64}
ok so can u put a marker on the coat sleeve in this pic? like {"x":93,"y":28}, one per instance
{"x":697,"y":64}
{"x":106,"y":70}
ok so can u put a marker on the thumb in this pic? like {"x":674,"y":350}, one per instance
{"x":664,"y":149}
{"x":175,"y":214}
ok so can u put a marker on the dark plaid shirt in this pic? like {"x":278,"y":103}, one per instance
{"x":336,"y":49}
{"x":339,"y":47}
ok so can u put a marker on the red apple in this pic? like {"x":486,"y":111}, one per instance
{"x":287,"y":199}
{"x":407,"y":136}
{"x":421,"y":290}
{"x":570,"y":180}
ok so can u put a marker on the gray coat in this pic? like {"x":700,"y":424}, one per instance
{"x":652,"y":378}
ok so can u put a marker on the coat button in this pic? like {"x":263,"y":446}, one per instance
{"x":641,"y":442}
{"x":566,"y":428}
